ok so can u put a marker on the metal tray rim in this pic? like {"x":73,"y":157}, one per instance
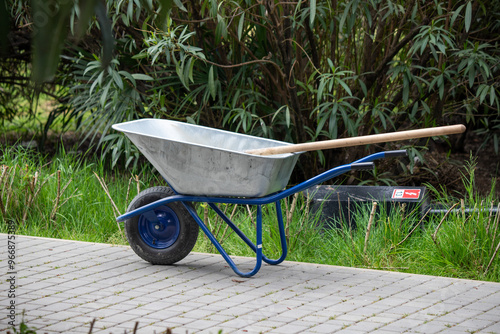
{"x":276,"y":156}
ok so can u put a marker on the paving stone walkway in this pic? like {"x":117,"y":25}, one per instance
{"x":63,"y":285}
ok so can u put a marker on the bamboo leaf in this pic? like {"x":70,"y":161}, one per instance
{"x":104,"y":95}
{"x":492,"y":95}
{"x":472,"y":75}
{"x":128,"y":76}
{"x":468,"y":16}
{"x":96,"y":82}
{"x":191,"y":67}
{"x":140,"y":76}
{"x":343,"y":84}
{"x":220,"y":30}
{"x":321,"y":124}
{"x":482,"y":91}
{"x":321,"y":87}
{"x":287,"y":116}
{"x":180,"y":5}
{"x":344,"y":15}
{"x":455,"y":14}
{"x":130,"y":9}
{"x":312,"y":11}
{"x":117,"y":79}
{"x":211,"y":82}
{"x":406,"y":90}
{"x":332,"y":124}
{"x":240,"y":26}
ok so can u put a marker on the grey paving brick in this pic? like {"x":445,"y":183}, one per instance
{"x":290,"y":329}
{"x":366,"y":326}
{"x":431,"y":327}
{"x":495,"y":328}
{"x":177,"y":320}
{"x":402,"y":324}
{"x":240,"y":322}
{"x":459,"y":315}
{"x":61,"y":326}
{"x":476,"y":324}
{"x":456,"y":330}
{"x":62,"y":315}
{"x":196,"y":314}
{"x":329,"y":327}
{"x":296,"y":313}
{"x":203,"y":324}
{"x":383,"y":331}
{"x":487,"y":317}
{"x":350,"y":318}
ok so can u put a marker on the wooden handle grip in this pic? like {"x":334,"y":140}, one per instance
{"x":362,"y":140}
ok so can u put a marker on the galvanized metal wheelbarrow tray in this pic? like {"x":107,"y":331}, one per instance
{"x":207,"y":165}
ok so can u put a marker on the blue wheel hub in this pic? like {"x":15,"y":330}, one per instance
{"x":159,"y":228}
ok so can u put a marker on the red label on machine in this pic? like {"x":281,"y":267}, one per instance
{"x":406,"y":194}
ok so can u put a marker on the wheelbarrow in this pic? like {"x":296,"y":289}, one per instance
{"x":206,"y":165}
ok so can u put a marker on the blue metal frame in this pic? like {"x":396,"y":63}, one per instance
{"x":364,"y":163}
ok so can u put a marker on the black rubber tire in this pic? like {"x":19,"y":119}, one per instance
{"x":185,"y":242}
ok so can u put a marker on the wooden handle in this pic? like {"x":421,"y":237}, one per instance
{"x":362,"y":140}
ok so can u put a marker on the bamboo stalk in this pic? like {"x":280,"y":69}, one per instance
{"x":32,"y":184}
{"x":227,"y":226}
{"x":103,"y":185}
{"x":441,"y":222}
{"x":413,"y":230}
{"x":462,"y":207}
{"x":368,"y":228}
{"x":70,"y":197}
{"x":205,"y":216}
{"x":138,"y":184}
{"x":489,"y":218}
{"x":494,"y":230}
{"x":60,"y":193}
{"x":58,"y":196}
{"x":128,"y":191}
{"x":4,"y":172}
{"x":289,"y":214}
{"x":92,"y":326}
{"x":9,"y":192}
{"x":492,"y":258}
{"x":250,"y":215}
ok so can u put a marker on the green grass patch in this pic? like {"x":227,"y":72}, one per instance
{"x":71,"y":198}
{"x":63,"y":197}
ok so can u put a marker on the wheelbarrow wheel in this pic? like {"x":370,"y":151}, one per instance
{"x":164,"y":235}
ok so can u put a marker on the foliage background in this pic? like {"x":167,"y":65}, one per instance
{"x":291,"y":70}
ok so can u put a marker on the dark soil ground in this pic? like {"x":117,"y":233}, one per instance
{"x":440,"y":169}
{"x":448,"y":171}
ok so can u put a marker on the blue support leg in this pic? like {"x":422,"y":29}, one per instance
{"x":223,"y":252}
{"x":284,"y":249}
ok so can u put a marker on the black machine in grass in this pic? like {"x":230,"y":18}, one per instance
{"x":340,"y":206}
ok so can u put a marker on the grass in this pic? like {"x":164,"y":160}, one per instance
{"x":31,"y":118}
{"x":62,"y":197}
{"x":65,"y":198}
